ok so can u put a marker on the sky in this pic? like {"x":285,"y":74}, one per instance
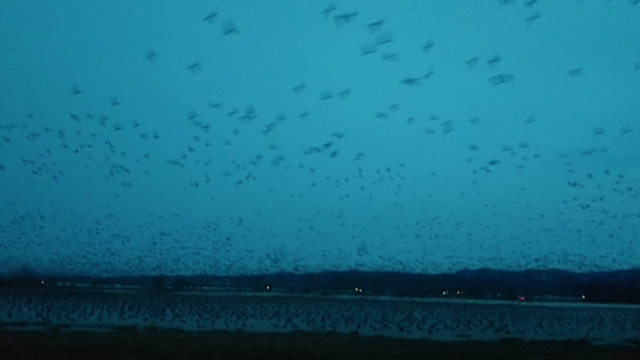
{"x":245,"y":137}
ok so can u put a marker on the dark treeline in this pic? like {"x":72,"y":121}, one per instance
{"x":622,"y":286}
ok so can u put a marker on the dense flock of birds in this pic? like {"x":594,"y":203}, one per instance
{"x":214,"y":164}
{"x":403,"y":318}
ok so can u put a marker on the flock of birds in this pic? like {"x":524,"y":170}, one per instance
{"x":404,"y":318}
{"x":214,"y":160}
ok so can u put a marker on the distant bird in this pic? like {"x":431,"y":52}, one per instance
{"x":375,"y":26}
{"x":345,"y":18}
{"x":576,"y":72}
{"x":195,"y":67}
{"x":74,"y":117}
{"x":410,"y":81}
{"x":473,"y":61}
{"x":416,"y":81}
{"x":532,"y":18}
{"x":494,"y":60}
{"x":298,"y":88}
{"x":427,"y":46}
{"x":368,"y":49}
{"x":500,"y":79}
{"x":329,"y":9}
{"x":326,"y":95}
{"x":389,"y":56}
{"x":211,"y":18}
{"x":151,"y":55}
{"x":229,"y":28}
{"x":75,"y":90}
{"x":384,"y":38}
{"x":344,"y":94}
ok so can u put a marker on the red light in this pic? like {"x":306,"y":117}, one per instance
{"x":521,"y":298}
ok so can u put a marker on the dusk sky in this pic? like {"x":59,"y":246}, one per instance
{"x":244,"y":137}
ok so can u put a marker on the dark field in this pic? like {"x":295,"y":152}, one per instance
{"x":43,"y":345}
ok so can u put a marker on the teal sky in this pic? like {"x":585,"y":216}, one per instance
{"x":241,"y":137}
